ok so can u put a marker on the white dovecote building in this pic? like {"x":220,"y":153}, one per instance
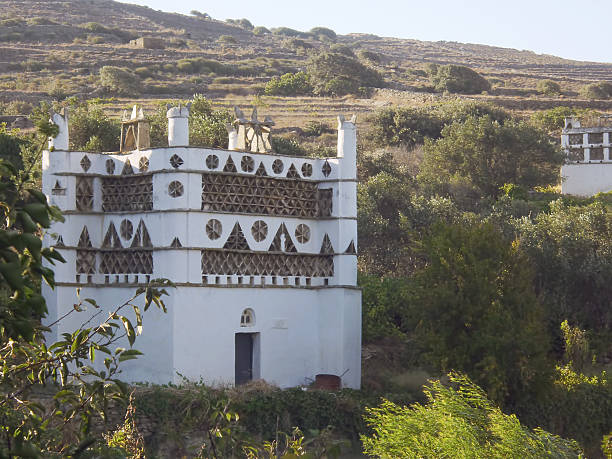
{"x":261,"y":247}
{"x":588,"y":166}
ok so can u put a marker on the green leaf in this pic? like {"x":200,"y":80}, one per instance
{"x":131,"y":335}
{"x":39,"y":213}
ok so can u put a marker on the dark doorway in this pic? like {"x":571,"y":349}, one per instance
{"x":244,"y":357}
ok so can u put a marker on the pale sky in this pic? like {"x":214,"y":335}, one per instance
{"x":579,"y":29}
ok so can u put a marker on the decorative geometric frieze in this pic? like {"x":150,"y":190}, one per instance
{"x":127,"y":168}
{"x":282,"y":241}
{"x":85,"y":163}
{"x":236,"y":239}
{"x":326,"y":169}
{"x":212,"y":161}
{"x":222,"y":262}
{"x":127,"y":261}
{"x":110,"y":166}
{"x":351,"y":248}
{"x":214,"y":229}
{"x":293,"y":173}
{"x":59,"y":241}
{"x":264,"y":196}
{"x":126,"y":229}
{"x":176,"y":161}
{"x":111,"y":239}
{"x":143,"y":164}
{"x":175,"y":189}
{"x":259,"y":230}
{"x":575,"y":139}
{"x":302,"y":233}
{"x":306,"y":169}
{"x":176,"y":243}
{"x":84,"y":193}
{"x":127,"y":193}
{"x":278,"y":166}
{"x":326,"y":246}
{"x":261,"y":171}
{"x":247,"y":164}
{"x":229,"y":165}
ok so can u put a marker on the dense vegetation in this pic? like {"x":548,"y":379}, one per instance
{"x":470,"y":262}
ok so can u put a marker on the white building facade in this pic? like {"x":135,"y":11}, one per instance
{"x":588,"y":167}
{"x":262,"y":249}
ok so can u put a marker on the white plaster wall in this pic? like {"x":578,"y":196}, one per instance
{"x":586,"y":179}
{"x":303,"y":332}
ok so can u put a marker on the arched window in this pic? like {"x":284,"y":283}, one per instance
{"x":247,"y":319}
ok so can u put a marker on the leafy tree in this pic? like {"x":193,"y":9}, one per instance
{"x":288,"y":32}
{"x":207,"y":127}
{"x":91,"y":129}
{"x":410,"y":126}
{"x":11,"y":145}
{"x":600,"y":90}
{"x":457,"y":78}
{"x":487,"y":155}
{"x":571,"y":249}
{"x":260,"y":30}
{"x":30,"y":429}
{"x":458,"y":422}
{"x":119,"y":80}
{"x":548,"y":87}
{"x":227,"y":40}
{"x":289,"y":84}
{"x":552,"y":120}
{"x":477,"y":312}
{"x":337,"y":74}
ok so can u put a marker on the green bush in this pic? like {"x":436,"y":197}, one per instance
{"x":342,"y":49}
{"x":289,"y":84}
{"x":458,"y":421}
{"x":91,"y":129}
{"x":287,"y":32}
{"x":370,"y":56}
{"x":601,"y":90}
{"x":458,"y":79}
{"x":297,"y":44}
{"x":119,"y":80}
{"x":324,"y":31}
{"x":548,"y":87}
{"x":285,"y":146}
{"x":337,"y":75}
{"x":243,"y":23}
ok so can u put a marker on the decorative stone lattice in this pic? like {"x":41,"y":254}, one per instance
{"x":85,"y":163}
{"x":264,"y":195}
{"x":282,"y":241}
{"x":214,"y":229}
{"x":259,"y":230}
{"x":596,"y":137}
{"x":176,"y":243}
{"x":576,"y":154}
{"x":261,"y":171}
{"x":84,"y":193}
{"x":229,"y":165}
{"x":302,"y":233}
{"x":236,"y":239}
{"x":175,"y":189}
{"x":326,"y":246}
{"x":137,"y":259}
{"x":176,"y":161}
{"x":127,"y":168}
{"x":306,"y":169}
{"x":133,"y":193}
{"x":575,"y":139}
{"x":278,"y":166}
{"x":143,"y":164}
{"x":126,"y":229}
{"x":351,"y":248}
{"x":212,"y":161}
{"x":58,"y":189}
{"x":266,"y":264}
{"x":293,"y":173}
{"x":326,"y":169}
{"x":59,"y":241}
{"x":247,"y":164}
{"x":110,"y":166}
{"x":596,"y":154}
{"x":85,"y":256}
